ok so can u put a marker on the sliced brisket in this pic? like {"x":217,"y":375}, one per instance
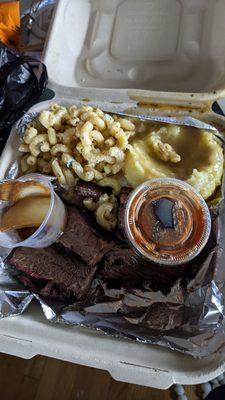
{"x":164,"y":316}
{"x":53,"y":274}
{"x":85,"y":190}
{"x":125,"y":266}
{"x":82,"y":238}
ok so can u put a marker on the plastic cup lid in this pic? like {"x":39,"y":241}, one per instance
{"x":167,"y":221}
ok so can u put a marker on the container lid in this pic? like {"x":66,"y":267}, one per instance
{"x":142,"y":47}
{"x":167,"y":221}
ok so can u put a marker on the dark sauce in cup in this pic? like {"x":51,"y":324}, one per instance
{"x":167,"y":221}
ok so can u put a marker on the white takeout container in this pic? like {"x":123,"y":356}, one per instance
{"x":161,"y":57}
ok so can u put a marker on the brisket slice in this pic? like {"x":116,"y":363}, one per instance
{"x":51,"y":273}
{"x":85,"y":190}
{"x":124,"y":194}
{"x":81,"y":238}
{"x":124,"y":265}
{"x":163,"y":316}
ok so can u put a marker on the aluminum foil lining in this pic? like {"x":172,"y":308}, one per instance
{"x":35,"y":20}
{"x":191,"y":317}
{"x":185,"y":121}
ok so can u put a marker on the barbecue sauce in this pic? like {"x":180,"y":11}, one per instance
{"x":167,"y":221}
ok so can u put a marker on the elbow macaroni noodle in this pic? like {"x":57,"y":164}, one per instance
{"x":105,"y":210}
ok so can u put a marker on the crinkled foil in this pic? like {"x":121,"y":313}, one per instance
{"x":185,"y":121}
{"x":35,"y":20}
{"x":191,"y":317}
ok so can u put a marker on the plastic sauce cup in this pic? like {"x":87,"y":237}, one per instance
{"x":167,"y":221}
{"x":50,"y":229}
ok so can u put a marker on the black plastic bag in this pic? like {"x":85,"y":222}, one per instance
{"x":21,"y":85}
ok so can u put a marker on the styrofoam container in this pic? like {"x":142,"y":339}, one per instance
{"x":127,"y":361}
{"x":158,"y":50}
{"x":154,"y":56}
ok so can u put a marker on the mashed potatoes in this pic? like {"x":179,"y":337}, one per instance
{"x":186,"y":153}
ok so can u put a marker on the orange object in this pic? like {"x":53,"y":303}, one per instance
{"x":10,"y":23}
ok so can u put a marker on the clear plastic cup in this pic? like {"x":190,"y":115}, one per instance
{"x":50,"y":229}
{"x":167,"y":221}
